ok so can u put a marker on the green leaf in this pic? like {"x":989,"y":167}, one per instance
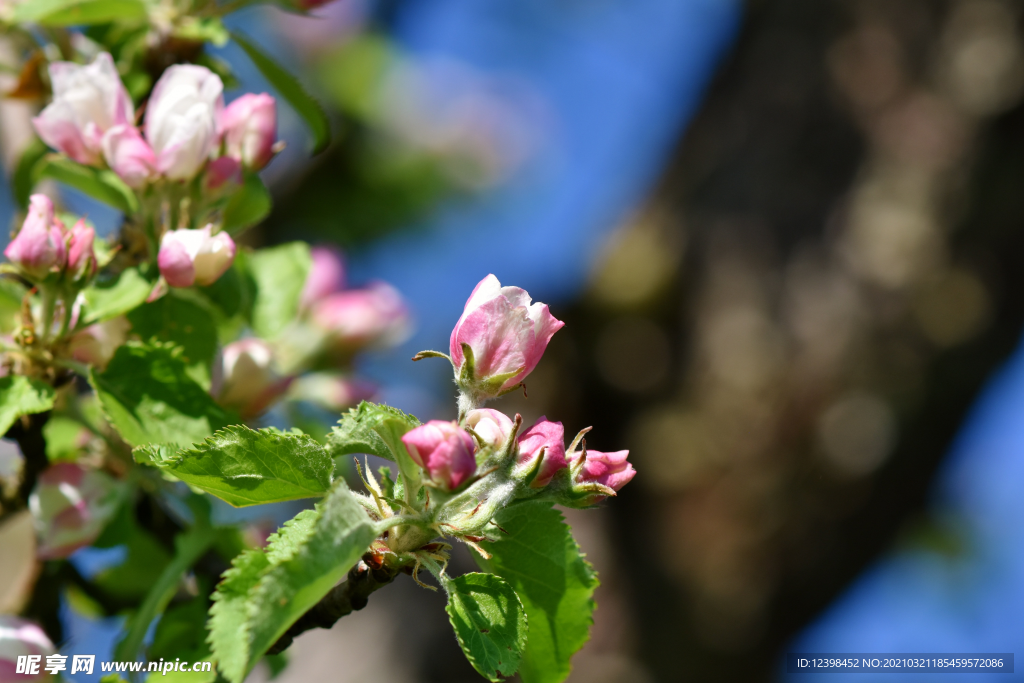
{"x":12,"y":293}
{"x":377,"y":429}
{"x":103,"y":185}
{"x":489,"y":621}
{"x":290,"y":89}
{"x":262,"y":596}
{"x":209,"y":29}
{"x":64,"y":438}
{"x":19,"y":396}
{"x":189,"y":547}
{"x":229,"y":621}
{"x":280,"y":275}
{"x":541,"y":560}
{"x":246,"y":467}
{"x":149,"y":397}
{"x":116,"y":296}
{"x":78,"y":12}
{"x":248,"y":206}
{"x":183,"y":320}
{"x":180,"y":635}
{"x":23,"y":181}
{"x":372,"y":428}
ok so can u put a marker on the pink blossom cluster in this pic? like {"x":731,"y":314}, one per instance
{"x":497,"y":342}
{"x":44,"y":246}
{"x":344,"y":320}
{"x":186,"y":127}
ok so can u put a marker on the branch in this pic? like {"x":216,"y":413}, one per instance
{"x":342,"y":600}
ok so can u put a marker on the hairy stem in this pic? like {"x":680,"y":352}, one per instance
{"x":343,"y":599}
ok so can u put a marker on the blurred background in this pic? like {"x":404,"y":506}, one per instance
{"x":786,"y":238}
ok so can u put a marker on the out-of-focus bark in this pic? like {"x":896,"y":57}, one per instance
{"x":790,"y":333}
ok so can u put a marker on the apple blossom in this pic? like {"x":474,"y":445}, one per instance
{"x":247,"y":380}
{"x":71,"y":506}
{"x":223,"y":171}
{"x":96,"y":344}
{"x":506,"y":336}
{"x":593,"y":471}
{"x":331,"y":391}
{"x":88,"y":101}
{"x":22,"y":638}
{"x":545,"y":440}
{"x":39,"y":246}
{"x":492,"y":426}
{"x":356,"y":318}
{"x":444,"y":450}
{"x":129,"y":155}
{"x":189,"y":257}
{"x":181,"y":119}
{"x":248,"y":127}
{"x":81,"y":256}
{"x":326,"y":275}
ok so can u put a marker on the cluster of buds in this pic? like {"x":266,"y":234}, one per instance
{"x":475,"y":466}
{"x":186,"y":128}
{"x":45,"y":250}
{"x":335,"y":323}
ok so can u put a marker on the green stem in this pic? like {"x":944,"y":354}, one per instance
{"x":49,"y":300}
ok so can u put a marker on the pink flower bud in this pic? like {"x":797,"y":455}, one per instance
{"x":71,"y":506}
{"x":356,"y":318}
{"x":22,"y":638}
{"x":81,"y":257}
{"x":39,"y":246}
{"x":507,"y":333}
{"x":331,"y":391}
{"x":223,"y":171}
{"x":608,"y":469}
{"x":545,"y":440}
{"x":312,"y":4}
{"x":129,"y":155}
{"x":326,"y":275}
{"x":87,"y":102}
{"x":247,"y":380}
{"x":490,"y":425}
{"x":444,"y":450}
{"x":181,"y":119}
{"x":249,"y":129}
{"x":96,"y":344}
{"x":189,"y":257}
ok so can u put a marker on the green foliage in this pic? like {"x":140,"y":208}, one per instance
{"x":541,"y":560}
{"x":24,"y":178}
{"x":19,"y":396}
{"x":78,"y":12}
{"x":145,"y":560}
{"x":247,"y":207}
{"x":489,"y":622}
{"x":280,"y":275}
{"x":116,"y":296}
{"x":183,"y":320}
{"x":246,"y":467}
{"x":12,"y":293}
{"x":229,"y":615}
{"x":180,"y":635}
{"x":377,"y":429}
{"x":149,"y":397}
{"x":372,"y":428}
{"x":203,"y":29}
{"x":288,"y":87}
{"x":63,"y":436}
{"x":189,"y":547}
{"x":264,"y":594}
{"x":101,"y":184}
